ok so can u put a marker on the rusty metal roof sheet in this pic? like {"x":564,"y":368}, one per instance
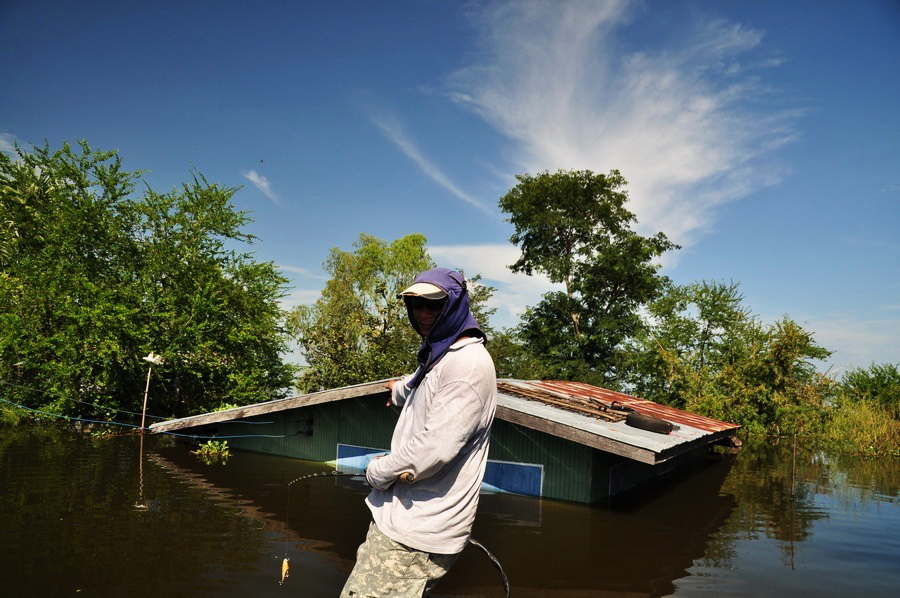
{"x":576,"y":393}
{"x":586,"y":405}
{"x":581,"y":413}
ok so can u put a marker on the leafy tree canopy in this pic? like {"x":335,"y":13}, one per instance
{"x":358,"y":331}
{"x":574,"y":227}
{"x":93,"y":276}
{"x":705,"y":352}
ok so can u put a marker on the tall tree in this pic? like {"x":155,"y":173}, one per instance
{"x":574,"y":227}
{"x":358,"y":331}
{"x":705,"y":352}
{"x":93,"y":277}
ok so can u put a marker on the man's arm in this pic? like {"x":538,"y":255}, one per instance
{"x":453,"y":417}
{"x":399,"y":392}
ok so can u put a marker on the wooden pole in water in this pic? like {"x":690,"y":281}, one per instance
{"x":794,"y":466}
{"x":146,"y":392}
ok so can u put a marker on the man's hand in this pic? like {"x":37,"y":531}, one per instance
{"x":390,"y":386}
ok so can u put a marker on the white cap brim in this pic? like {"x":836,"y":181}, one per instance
{"x":423,"y":289}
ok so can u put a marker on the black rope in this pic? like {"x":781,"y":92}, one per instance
{"x":503,"y":578}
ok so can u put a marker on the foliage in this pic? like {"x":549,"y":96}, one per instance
{"x":93,"y":276}
{"x":864,"y":417}
{"x":574,"y":227}
{"x":213,"y":451}
{"x":358,"y":331}
{"x":879,"y":384}
{"x":11,"y":415}
{"x":512,"y":359}
{"x":102,"y":431}
{"x":704,"y":352}
{"x":864,"y":427}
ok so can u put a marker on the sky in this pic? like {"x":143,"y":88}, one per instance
{"x":762,"y":136}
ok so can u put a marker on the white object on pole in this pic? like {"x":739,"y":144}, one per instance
{"x":153,"y":359}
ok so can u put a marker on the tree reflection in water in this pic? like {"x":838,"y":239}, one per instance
{"x":731,"y":526}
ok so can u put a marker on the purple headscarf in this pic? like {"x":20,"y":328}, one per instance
{"x":455,"y":320}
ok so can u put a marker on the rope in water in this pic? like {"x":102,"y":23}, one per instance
{"x":472,"y":541}
{"x":495,"y":561}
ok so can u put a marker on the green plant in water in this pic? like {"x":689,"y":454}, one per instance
{"x":213,"y":451}
{"x":103,"y":431}
{"x":864,"y":427}
{"x":10,"y":415}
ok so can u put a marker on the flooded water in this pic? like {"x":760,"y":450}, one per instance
{"x":122,"y":517}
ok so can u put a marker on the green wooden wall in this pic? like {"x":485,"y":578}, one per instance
{"x":572,"y":471}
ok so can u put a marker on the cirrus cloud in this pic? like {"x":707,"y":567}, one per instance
{"x":674,"y":119}
{"x":262,"y":183}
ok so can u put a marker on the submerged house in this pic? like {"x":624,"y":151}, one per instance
{"x":561,"y":440}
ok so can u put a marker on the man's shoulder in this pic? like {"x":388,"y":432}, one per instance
{"x":468,"y":346}
{"x":466,"y":354}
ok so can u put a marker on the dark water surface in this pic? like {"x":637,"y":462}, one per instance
{"x":120,"y":517}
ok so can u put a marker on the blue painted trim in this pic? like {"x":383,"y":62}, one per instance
{"x":499,"y":476}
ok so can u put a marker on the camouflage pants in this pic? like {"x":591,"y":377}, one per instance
{"x":387,"y":568}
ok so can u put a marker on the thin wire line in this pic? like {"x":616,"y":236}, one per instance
{"x":46,"y":392}
{"x":113,"y":423}
{"x":234,"y":421}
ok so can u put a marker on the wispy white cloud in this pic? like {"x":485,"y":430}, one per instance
{"x":302,"y":271}
{"x":262,"y":183}
{"x":7,"y":143}
{"x":514,"y":292}
{"x":857,"y":342}
{"x":394,"y":131}
{"x":300,"y":297}
{"x":673,"y":120}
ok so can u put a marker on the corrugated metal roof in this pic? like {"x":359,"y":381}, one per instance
{"x":578,"y":394}
{"x":580,"y":413}
{"x":571,"y":410}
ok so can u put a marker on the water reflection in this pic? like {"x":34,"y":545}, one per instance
{"x":547,"y":548}
{"x":836,"y":534}
{"x":124,"y":517}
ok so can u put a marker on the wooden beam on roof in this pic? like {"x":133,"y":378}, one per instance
{"x":326,"y":396}
{"x":576,"y":435}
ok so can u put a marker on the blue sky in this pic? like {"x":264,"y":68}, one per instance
{"x":763,"y":136}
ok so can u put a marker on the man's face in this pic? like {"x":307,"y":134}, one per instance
{"x":425,"y":312}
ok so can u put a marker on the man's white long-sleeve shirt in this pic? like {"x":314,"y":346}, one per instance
{"x":442,"y":437}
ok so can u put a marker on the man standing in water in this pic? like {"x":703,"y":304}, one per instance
{"x":425,"y":491}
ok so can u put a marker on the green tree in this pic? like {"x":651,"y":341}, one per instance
{"x":879,"y":383}
{"x":358,"y":331}
{"x":693,"y":332}
{"x":92,"y":277}
{"x":512,"y":359}
{"x":574,"y":227}
{"x":705,"y":352}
